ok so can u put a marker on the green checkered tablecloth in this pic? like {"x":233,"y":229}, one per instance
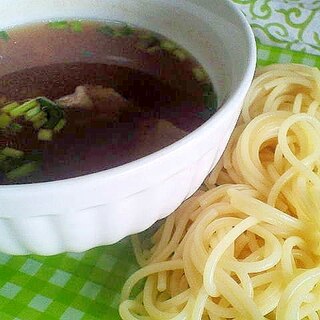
{"x":87,"y":285}
{"x":267,"y":55}
{"x":68,"y":286}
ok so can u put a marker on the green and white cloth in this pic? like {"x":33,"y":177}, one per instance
{"x":290,"y":24}
{"x":87,"y":285}
{"x":69,"y":286}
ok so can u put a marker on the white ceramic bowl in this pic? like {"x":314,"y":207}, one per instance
{"x":102,"y":208}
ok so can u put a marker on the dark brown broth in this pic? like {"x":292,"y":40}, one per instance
{"x":39,"y":61}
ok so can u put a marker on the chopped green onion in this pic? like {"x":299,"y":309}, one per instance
{"x":127,"y":30}
{"x":211,"y":103}
{"x":32,"y":112}
{"x":180,"y":54}
{"x":168,"y":45}
{"x":16,"y":112}
{"x":54,"y":112}
{"x":4,"y":120}
{"x":45,"y":134}
{"x":106,"y":30}
{"x":59,"y":125}
{"x":210,"y":98}
{"x":4,"y":36}
{"x":12,"y":153}
{"x":22,"y":171}
{"x":76,"y":26}
{"x":39,"y":116}
{"x":10,"y":106}
{"x":145,"y":35}
{"x":199,"y":74}
{"x":123,"y":31}
{"x":7,"y":164}
{"x":58,"y":25}
{"x":15,"y":127}
{"x":40,"y":123}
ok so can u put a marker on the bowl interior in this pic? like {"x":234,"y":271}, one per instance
{"x":214,"y":41}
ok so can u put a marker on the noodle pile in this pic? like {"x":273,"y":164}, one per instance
{"x":247,"y":245}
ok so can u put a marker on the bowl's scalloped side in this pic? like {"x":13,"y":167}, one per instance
{"x":92,"y":227}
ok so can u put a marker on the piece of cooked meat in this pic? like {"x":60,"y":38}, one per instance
{"x":96,"y":98}
{"x":155,"y":134}
{"x":79,"y":99}
{"x":167,"y":132}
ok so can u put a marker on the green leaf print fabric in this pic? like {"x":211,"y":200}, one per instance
{"x":290,"y":24}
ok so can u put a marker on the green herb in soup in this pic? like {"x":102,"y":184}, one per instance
{"x":4,"y":36}
{"x":118,"y":30}
{"x":78,"y":97}
{"x":75,"y":25}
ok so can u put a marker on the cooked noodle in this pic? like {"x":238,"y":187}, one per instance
{"x":249,"y":246}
